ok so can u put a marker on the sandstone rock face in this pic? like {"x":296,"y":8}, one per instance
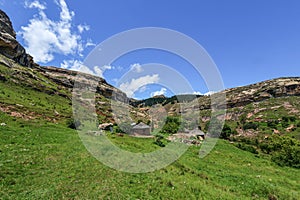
{"x":67,"y":78}
{"x":280,"y":87}
{"x":9,"y":46}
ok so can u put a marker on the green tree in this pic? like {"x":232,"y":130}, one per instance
{"x":226,"y":132}
{"x":172,"y":125}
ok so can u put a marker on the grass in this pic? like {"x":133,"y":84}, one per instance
{"x":24,"y":99}
{"x":48,"y":161}
{"x":44,"y":160}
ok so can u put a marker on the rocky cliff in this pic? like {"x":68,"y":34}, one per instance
{"x":280,"y":87}
{"x":66,"y":78}
{"x":9,"y":46}
{"x":57,"y":81}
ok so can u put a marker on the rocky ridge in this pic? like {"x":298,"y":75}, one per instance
{"x":54,"y":80}
{"x":9,"y":46}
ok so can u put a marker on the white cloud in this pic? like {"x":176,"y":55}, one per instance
{"x":71,"y":64}
{"x":100,"y":70}
{"x":77,"y":65}
{"x":200,"y":93}
{"x":35,"y":4}
{"x":130,"y":87}
{"x":162,"y":91}
{"x":81,"y":28}
{"x":136,"y":67}
{"x":90,"y":43}
{"x":143,"y":88}
{"x":210,"y":93}
{"x":45,"y":37}
{"x":65,"y":14}
{"x":197,"y":93}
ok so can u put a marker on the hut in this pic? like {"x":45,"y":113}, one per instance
{"x":105,"y":126}
{"x":141,"y":129}
{"x":198,"y":134}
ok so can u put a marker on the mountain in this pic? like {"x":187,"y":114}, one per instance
{"x":18,"y":69}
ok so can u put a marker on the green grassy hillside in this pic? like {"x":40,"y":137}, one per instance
{"x":48,"y":161}
{"x":40,"y":158}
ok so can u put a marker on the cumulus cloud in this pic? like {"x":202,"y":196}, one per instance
{"x":206,"y":94}
{"x":210,"y":93}
{"x":90,"y":43}
{"x":45,"y":37}
{"x":100,"y":70}
{"x":162,"y":91}
{"x":197,"y":93}
{"x":71,"y":64}
{"x":143,"y":88}
{"x":35,"y":4}
{"x":77,"y":65}
{"x":81,"y":28}
{"x":136,"y":67}
{"x":134,"y":84}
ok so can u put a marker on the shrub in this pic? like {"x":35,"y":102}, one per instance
{"x":272,"y":124}
{"x":288,"y":156}
{"x":73,"y":124}
{"x":246,"y":147}
{"x":250,"y":125}
{"x":159,"y":140}
{"x":124,"y":127}
{"x":226,"y":132}
{"x":171,"y":126}
{"x":214,"y":127}
{"x":285,"y":150}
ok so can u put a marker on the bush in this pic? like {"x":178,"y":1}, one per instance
{"x":272,"y":124}
{"x":124,"y":127}
{"x":171,"y":126}
{"x":214,"y":128}
{"x":73,"y":124}
{"x":284,"y":150}
{"x":246,"y":147}
{"x":159,"y":140}
{"x":288,"y":156}
{"x":250,"y":125}
{"x":226,"y":132}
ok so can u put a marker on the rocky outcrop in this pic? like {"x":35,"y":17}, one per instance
{"x":280,"y":87}
{"x":67,"y":78}
{"x":9,"y":46}
{"x":235,"y":97}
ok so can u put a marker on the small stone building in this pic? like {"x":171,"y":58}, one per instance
{"x":141,"y":129}
{"x":198,"y":134}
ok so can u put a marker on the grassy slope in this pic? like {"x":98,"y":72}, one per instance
{"x":21,"y":93}
{"x":48,"y":161}
{"x":43,"y":160}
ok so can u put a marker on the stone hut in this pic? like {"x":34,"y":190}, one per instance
{"x":141,"y":129}
{"x":200,"y":135}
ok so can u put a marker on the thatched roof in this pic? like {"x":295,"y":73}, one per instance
{"x":141,"y":125}
{"x":197,"y":131}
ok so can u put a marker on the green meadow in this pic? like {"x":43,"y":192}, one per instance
{"x":49,"y":161}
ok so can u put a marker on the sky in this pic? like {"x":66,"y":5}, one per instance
{"x":249,"y":41}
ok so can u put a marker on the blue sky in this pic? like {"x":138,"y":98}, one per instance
{"x":249,"y":40}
